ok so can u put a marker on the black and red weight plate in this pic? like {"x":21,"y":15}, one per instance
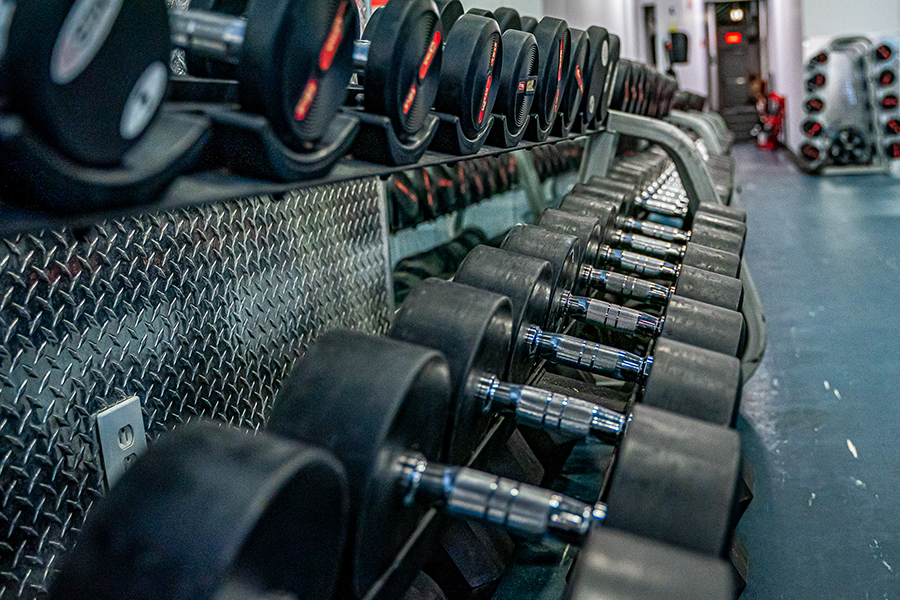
{"x":892,"y":150}
{"x":296,"y":74}
{"x":892,"y":127}
{"x":470,"y":78}
{"x":890,"y":102}
{"x":554,"y":43}
{"x":574,"y":78}
{"x":812,"y":128}
{"x":518,"y":78}
{"x":815,"y":105}
{"x":887,"y":77}
{"x":816,"y":81}
{"x":88,"y":76}
{"x":821,"y":58}
{"x":403,"y":72}
{"x":883,"y":52}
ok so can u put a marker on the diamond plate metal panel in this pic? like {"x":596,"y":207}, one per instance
{"x":200,"y":311}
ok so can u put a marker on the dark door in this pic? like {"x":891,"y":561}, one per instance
{"x":738,"y":64}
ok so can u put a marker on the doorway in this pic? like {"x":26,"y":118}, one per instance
{"x":736,"y":63}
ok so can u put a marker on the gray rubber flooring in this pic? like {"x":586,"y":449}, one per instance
{"x":821,"y":418}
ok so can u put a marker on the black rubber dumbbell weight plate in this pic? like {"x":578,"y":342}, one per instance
{"x":297,"y":75}
{"x":614,"y":565}
{"x":89,"y":76}
{"x":209,"y":513}
{"x":403,"y":72}
{"x":518,"y":78}
{"x":473,"y":332}
{"x":450,"y":11}
{"x":508,"y":18}
{"x":388,"y":402}
{"x":470,"y":76}
{"x":574,"y":78}
{"x":554,"y":41}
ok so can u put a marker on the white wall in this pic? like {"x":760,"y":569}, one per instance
{"x":838,"y":18}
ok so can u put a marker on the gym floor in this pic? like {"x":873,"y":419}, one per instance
{"x":822,"y":414}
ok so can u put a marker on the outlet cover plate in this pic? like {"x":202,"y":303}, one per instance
{"x":120,"y":432}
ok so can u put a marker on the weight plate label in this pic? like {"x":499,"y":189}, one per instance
{"x":7,"y":9}
{"x":604,"y":53}
{"x":592,"y":103}
{"x":82,"y":35}
{"x":143,"y":101}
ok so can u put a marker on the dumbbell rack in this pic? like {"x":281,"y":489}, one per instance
{"x":158,"y":301}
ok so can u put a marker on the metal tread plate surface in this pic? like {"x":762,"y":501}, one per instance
{"x":198,"y":312}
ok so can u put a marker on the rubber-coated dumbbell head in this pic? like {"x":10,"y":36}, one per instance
{"x":608,"y":90}
{"x":574,"y":78}
{"x":695,"y":382}
{"x":526,"y":281}
{"x":392,"y":400}
{"x":660,"y":445}
{"x":590,"y":231}
{"x":554,"y":43}
{"x":89,"y":77}
{"x":473,"y":330}
{"x":450,"y":11}
{"x":508,"y":18}
{"x":595,"y":73}
{"x":563,"y":252}
{"x":470,"y":79}
{"x":211,"y":510}
{"x":614,"y":565}
{"x":518,"y":77}
{"x":403,"y":71}
{"x":296,"y":74}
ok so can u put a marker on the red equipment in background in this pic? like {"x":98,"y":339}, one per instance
{"x":771,"y":127}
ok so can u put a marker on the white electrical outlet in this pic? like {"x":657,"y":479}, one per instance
{"x":120,"y":432}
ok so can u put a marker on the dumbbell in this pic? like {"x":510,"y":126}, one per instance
{"x":294,"y":60}
{"x":655,"y":163}
{"x":517,"y":86}
{"x":554,"y":43}
{"x":587,"y":201}
{"x":683,"y":320}
{"x":88,"y":77}
{"x":678,"y":377}
{"x":573,"y":82}
{"x":599,"y":61}
{"x":211,"y":512}
{"x":689,"y":282}
{"x":692,"y":253}
{"x":667,"y":198}
{"x":386,"y":418}
{"x":469,"y":83}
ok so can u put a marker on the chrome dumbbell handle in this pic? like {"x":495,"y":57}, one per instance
{"x":661,"y":207}
{"x":534,"y":407}
{"x":637,"y":263}
{"x":208,"y":34}
{"x":611,"y":316}
{"x":653,"y":230}
{"x":623,"y":285}
{"x":649,"y":246}
{"x":476,"y":495}
{"x":587,"y":356}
